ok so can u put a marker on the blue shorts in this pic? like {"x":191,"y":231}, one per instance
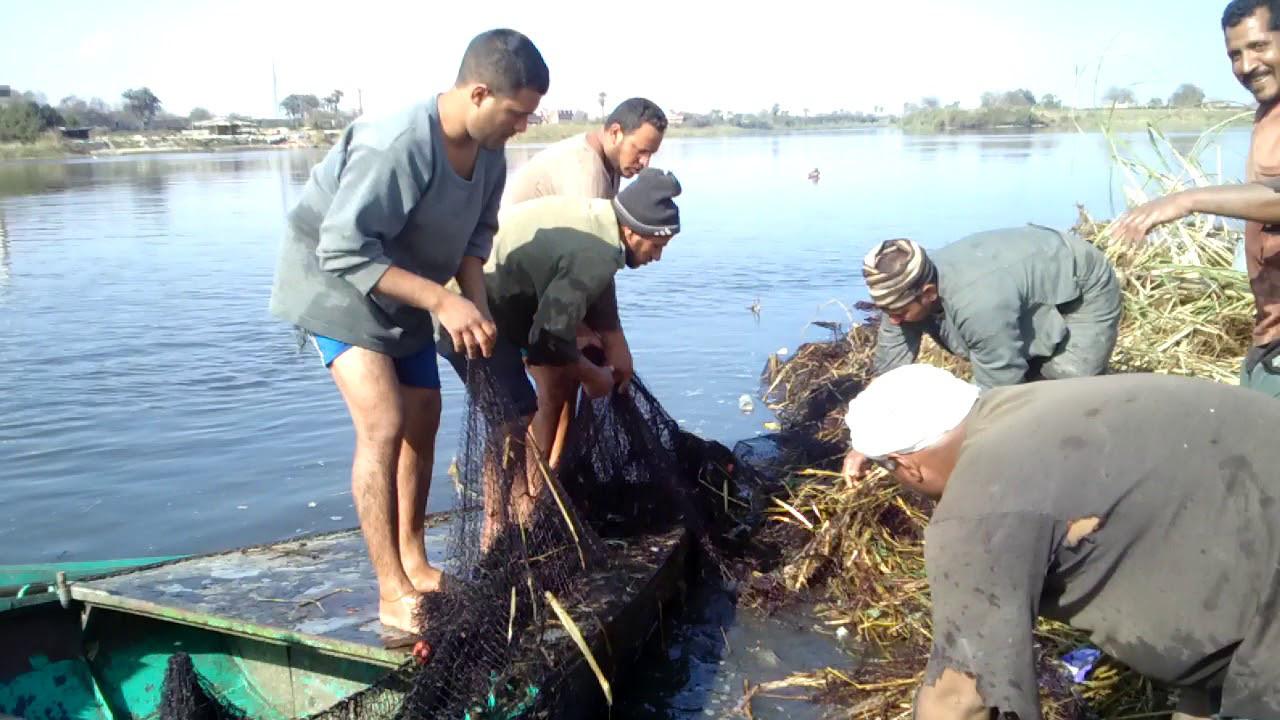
{"x":417,"y":370}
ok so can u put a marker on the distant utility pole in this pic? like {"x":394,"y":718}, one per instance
{"x":359,"y":101}
{"x":275,"y":93}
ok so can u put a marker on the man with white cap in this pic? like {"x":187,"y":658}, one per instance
{"x":1138,"y":507}
{"x":1019,"y":303}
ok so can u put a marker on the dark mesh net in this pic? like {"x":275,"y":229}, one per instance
{"x":631,"y":469}
{"x":493,"y":645}
{"x":186,"y":697}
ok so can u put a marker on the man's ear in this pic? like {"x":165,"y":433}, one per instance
{"x":911,"y":475}
{"x":929,"y":293}
{"x":479,"y":92}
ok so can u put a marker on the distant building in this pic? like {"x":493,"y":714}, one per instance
{"x":1225,"y":105}
{"x":675,"y":118}
{"x":569,"y":116}
{"x":76,"y":133}
{"x":5,"y":91}
{"x":224,"y":126}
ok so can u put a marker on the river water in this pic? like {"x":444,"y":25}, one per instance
{"x":149,"y":404}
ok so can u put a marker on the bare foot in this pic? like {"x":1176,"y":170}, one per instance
{"x":398,"y":613}
{"x":425,"y":578}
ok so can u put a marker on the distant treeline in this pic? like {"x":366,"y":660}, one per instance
{"x":24,"y":116}
{"x":776,"y":118}
{"x":1023,"y":110}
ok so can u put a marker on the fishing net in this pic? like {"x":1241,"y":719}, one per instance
{"x":186,"y":696}
{"x":538,"y":560}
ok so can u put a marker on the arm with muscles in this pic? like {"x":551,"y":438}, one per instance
{"x":985,"y":575}
{"x":377,"y":191}
{"x":602,"y":316}
{"x":470,"y":277}
{"x":553,"y":338}
{"x":1257,"y":201}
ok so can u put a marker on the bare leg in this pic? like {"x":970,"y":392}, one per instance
{"x":413,"y":483}
{"x":498,"y":494}
{"x":557,"y":388}
{"x":368,"y":383}
{"x":567,"y":411}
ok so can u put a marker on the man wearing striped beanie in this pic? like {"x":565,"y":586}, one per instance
{"x":1020,"y":304}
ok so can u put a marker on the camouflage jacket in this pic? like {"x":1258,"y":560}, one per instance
{"x":551,"y":267}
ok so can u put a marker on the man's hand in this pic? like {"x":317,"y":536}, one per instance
{"x":1133,"y":226}
{"x":617,"y":355}
{"x":855,"y":466}
{"x":470,"y":330}
{"x":596,"y":381}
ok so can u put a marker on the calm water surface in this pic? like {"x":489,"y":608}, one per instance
{"x":150,"y":404}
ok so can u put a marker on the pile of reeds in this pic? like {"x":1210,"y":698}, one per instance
{"x":1186,"y":311}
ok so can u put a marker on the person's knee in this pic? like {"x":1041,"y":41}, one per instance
{"x":422,"y":412}
{"x":555,"y":387}
{"x":381,"y":425}
{"x":1073,"y":365}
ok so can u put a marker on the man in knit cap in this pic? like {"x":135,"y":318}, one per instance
{"x":591,"y":165}
{"x":553,"y":260}
{"x":1136,"y":507}
{"x":1020,"y":304}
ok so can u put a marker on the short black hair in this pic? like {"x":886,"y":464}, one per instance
{"x":506,"y":61}
{"x":1238,"y":10}
{"x":637,"y":111}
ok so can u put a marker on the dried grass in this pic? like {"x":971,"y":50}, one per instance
{"x":1185,"y":312}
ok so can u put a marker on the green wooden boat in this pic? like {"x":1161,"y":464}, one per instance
{"x":279,"y":631}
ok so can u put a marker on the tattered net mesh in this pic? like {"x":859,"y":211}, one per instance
{"x":496,"y":645}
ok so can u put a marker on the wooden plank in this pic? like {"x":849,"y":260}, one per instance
{"x":318,"y":592}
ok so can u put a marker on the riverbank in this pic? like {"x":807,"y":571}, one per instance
{"x":948,"y":120}
{"x":51,"y":146}
{"x":937,"y":121}
{"x":538,"y":134}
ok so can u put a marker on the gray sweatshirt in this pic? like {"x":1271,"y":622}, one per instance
{"x":1000,"y":292}
{"x":384,"y":195}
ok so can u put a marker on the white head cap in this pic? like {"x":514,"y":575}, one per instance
{"x":908,"y":409}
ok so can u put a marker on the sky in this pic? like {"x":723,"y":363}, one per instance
{"x":695,"y":55}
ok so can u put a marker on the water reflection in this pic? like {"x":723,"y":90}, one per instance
{"x":149,"y":191}
{"x":43,"y":177}
{"x":262,"y":432}
{"x":5,"y":264}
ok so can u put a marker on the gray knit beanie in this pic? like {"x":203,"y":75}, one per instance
{"x":646,"y":205}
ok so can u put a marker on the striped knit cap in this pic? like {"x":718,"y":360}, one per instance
{"x":890,"y":291}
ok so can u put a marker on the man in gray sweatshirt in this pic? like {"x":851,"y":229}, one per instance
{"x":399,"y":206}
